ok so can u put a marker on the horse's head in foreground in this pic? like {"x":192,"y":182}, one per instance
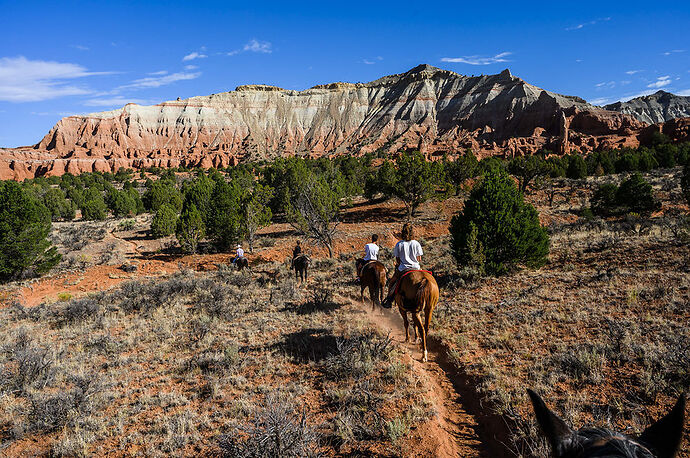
{"x":660,"y":440}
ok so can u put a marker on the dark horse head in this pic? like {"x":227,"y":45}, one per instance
{"x":661,"y":440}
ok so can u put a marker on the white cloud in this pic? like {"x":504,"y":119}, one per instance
{"x":673,"y":51}
{"x":81,"y":47}
{"x":368,"y":62}
{"x":158,"y":81}
{"x":478,"y":60}
{"x":686,"y":92}
{"x":24,"y":80}
{"x":606,"y":85}
{"x":632,"y":72}
{"x":254,"y":45}
{"x":162,"y":72}
{"x":194,"y":55}
{"x":584,"y":24}
{"x":600,"y":101}
{"x":191,"y":67}
{"x":661,"y":81}
{"x":117,"y":101}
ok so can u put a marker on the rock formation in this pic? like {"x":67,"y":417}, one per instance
{"x":655,"y":108}
{"x":427,"y":108}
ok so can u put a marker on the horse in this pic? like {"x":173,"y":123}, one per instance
{"x":372,"y":275}
{"x":660,"y":440}
{"x":242,"y":263}
{"x":417,"y":292}
{"x":301,"y":265}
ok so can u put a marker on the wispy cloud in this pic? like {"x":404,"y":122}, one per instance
{"x":632,"y":72}
{"x":605,"y":85}
{"x":162,"y":72}
{"x":158,"y":81}
{"x":673,"y":51}
{"x":254,"y":45}
{"x":600,"y":101}
{"x":24,"y":80}
{"x":478,"y":60}
{"x":661,"y":81}
{"x":585,"y":24}
{"x":114,"y":102}
{"x":191,"y":67}
{"x":372,"y":61}
{"x":194,"y":55}
{"x":81,"y":47}
{"x":685,"y":92}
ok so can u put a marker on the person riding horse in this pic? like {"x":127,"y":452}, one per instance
{"x":408,"y":254}
{"x":295,"y":253}
{"x":239,"y":253}
{"x":371,"y":253}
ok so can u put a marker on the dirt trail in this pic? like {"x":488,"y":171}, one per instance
{"x":457,"y":434}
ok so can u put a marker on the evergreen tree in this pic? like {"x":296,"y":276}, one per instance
{"x":497,"y":219}
{"x":164,"y":222}
{"x":257,"y":213}
{"x":577,"y":168}
{"x":225,"y":214}
{"x":162,"y":192}
{"x":416,"y":180}
{"x":190,"y":229}
{"x":24,"y":228}
{"x":636,"y":195}
{"x":93,"y":207}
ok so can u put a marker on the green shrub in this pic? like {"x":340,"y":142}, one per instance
{"x":162,"y":192}
{"x":497,"y":219}
{"x":121,"y":203}
{"x":577,"y":168}
{"x":604,"y":199}
{"x":93,"y":207}
{"x":24,"y":228}
{"x":57,"y":204}
{"x":636,"y":195}
{"x":164,"y":222}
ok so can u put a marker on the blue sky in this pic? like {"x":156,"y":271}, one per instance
{"x":63,"y":58}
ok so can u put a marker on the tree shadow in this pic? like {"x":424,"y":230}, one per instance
{"x":311,"y":344}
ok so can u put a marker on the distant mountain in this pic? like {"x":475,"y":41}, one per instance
{"x":655,"y":108}
{"x":426,"y":108}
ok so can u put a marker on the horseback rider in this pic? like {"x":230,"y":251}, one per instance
{"x":371,"y":253}
{"x":239,"y":253}
{"x":408,"y":254}
{"x":297,"y":251}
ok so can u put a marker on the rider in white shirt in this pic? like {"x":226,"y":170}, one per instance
{"x":239,"y":253}
{"x":408,"y":254}
{"x":371,"y":253}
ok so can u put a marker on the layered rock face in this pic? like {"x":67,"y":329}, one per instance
{"x":659,"y":107}
{"x":426,"y":108}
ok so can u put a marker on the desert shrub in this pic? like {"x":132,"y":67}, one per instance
{"x":507,"y":228}
{"x":278,"y":430}
{"x":357,"y":356}
{"x":26,"y":365}
{"x":93,"y":207}
{"x":190,"y":229}
{"x":24,"y":228}
{"x":164,"y":221}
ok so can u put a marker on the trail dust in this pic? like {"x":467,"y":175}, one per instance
{"x":454,"y":432}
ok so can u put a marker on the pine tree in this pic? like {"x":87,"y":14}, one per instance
{"x":190,"y":229}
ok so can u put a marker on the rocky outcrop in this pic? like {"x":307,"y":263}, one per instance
{"x":655,"y":108}
{"x":426,"y":108}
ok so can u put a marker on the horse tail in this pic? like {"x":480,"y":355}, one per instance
{"x":380,"y":284}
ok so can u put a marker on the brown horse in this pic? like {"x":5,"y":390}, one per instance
{"x":660,"y":440}
{"x":417,"y":292}
{"x":372,"y":275}
{"x":301,"y":266}
{"x":242,"y":263}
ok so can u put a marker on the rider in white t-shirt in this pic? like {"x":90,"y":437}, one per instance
{"x":408,"y":254}
{"x":239,"y":253}
{"x":371,"y":253}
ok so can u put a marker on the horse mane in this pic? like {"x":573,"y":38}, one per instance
{"x":608,"y":442}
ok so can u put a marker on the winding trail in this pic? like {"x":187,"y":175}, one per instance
{"x":458,"y":431}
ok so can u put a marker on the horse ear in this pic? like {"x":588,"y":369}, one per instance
{"x":553,"y":427}
{"x":664,"y":436}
